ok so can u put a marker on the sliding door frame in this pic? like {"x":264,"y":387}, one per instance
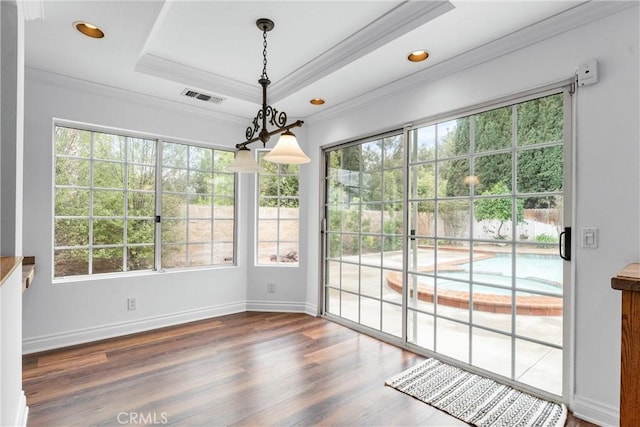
{"x":567,"y":88}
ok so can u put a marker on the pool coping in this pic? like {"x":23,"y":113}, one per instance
{"x":529,"y":305}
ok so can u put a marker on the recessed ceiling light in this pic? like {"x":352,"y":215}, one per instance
{"x":418,"y":55}
{"x":88,"y":29}
{"x":317,"y":101}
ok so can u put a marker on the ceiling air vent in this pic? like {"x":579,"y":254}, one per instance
{"x":202,"y":96}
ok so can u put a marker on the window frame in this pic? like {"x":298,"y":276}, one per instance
{"x":564,"y":88}
{"x":128,"y":135}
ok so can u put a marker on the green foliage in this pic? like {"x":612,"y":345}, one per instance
{"x":391,"y":228}
{"x":541,"y":120}
{"x":454,"y":215}
{"x":491,"y":170}
{"x":545,"y":238}
{"x":369,"y":172}
{"x":95,"y":195}
{"x":359,"y":179}
{"x":493,"y":129}
{"x":421,"y":181}
{"x":278,"y":184}
{"x":457,"y":140}
{"x":539,"y":169}
{"x":454,"y":172}
{"x":350,"y":222}
{"x":499,"y":209}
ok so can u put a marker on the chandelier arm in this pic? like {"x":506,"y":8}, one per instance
{"x":295,"y":124}
{"x":255,"y":126}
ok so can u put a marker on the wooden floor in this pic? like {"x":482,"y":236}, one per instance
{"x":242,"y":369}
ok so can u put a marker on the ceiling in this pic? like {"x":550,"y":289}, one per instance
{"x":340,"y":51}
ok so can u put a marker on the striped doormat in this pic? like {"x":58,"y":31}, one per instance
{"x":474,"y":399}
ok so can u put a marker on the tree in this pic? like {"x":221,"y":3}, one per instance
{"x":456,"y":143}
{"x":541,"y":120}
{"x":539,"y":169}
{"x":498,"y":208}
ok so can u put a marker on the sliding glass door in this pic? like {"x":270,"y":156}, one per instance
{"x":364,"y":225}
{"x":445,"y":237}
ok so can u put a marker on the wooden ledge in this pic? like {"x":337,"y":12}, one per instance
{"x":7,"y":265}
{"x":628,"y":279}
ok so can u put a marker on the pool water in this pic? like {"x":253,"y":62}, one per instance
{"x":534,"y":273}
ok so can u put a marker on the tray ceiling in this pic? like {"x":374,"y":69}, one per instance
{"x":336,"y":50}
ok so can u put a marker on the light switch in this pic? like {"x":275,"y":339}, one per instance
{"x":590,"y":238}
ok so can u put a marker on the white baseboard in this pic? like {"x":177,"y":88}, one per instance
{"x":312,"y":310}
{"x":595,"y":412}
{"x":282,"y":306}
{"x":80,"y":336}
{"x":22,"y":411}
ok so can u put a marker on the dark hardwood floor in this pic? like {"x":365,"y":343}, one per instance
{"x":242,"y":369}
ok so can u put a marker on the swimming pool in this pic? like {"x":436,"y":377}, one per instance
{"x":546,"y":267}
{"x":534,"y":273}
{"x":522,"y":285}
{"x":538,"y":284}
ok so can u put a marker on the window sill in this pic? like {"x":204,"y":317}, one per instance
{"x":141,"y":273}
{"x":282,"y":265}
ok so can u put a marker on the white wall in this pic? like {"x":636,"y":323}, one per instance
{"x":11,"y":136}
{"x":83,"y":310}
{"x":607,"y":177}
{"x":13,"y":404}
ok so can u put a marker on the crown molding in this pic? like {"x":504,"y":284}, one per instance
{"x":400,"y":20}
{"x":563,"y":22}
{"x":32,"y":9}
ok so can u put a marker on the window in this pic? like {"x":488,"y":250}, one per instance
{"x":278,"y":213}
{"x":197,"y":206}
{"x":107,"y":197}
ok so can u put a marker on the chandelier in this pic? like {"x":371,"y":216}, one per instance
{"x":286,"y":149}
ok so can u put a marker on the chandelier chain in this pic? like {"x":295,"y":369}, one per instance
{"x":257,"y":130}
{"x":264,"y":55}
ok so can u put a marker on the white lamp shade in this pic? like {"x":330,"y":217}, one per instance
{"x":244,"y":162}
{"x":287,"y":151}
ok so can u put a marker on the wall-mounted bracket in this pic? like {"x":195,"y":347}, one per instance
{"x":588,"y":73}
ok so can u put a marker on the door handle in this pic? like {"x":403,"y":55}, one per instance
{"x":564,"y":244}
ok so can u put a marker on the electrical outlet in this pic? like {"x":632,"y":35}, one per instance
{"x":131,"y":303}
{"x":271,"y":288}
